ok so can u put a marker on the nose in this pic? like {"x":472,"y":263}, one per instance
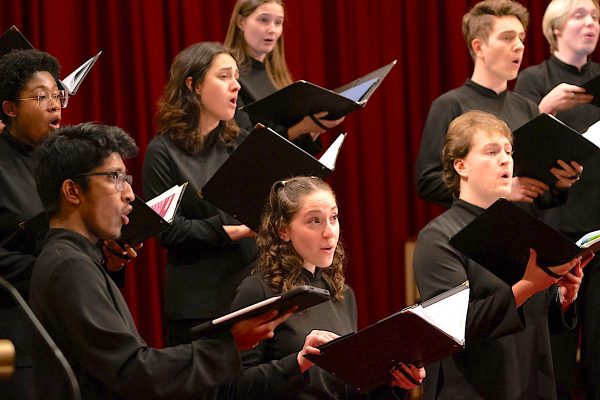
{"x":53,"y":104}
{"x":127,"y":193}
{"x":328,"y":230}
{"x":520,"y":45}
{"x":236,"y":86}
{"x":589,"y":19}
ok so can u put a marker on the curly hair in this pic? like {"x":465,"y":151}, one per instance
{"x":275,"y":64}
{"x":278,"y":261}
{"x":179,"y":108}
{"x":17,"y":68}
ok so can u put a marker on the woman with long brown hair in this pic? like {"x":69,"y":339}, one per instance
{"x":255,"y":33}
{"x":208,"y":251}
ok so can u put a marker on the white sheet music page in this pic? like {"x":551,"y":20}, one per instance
{"x":330,"y":156}
{"x":448,"y":314}
{"x":165,"y":204}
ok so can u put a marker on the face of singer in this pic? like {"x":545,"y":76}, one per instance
{"x":486,"y":171}
{"x":262,"y":29}
{"x":32,"y":124}
{"x":502,"y":52}
{"x":103,"y":208}
{"x":218,"y":90}
{"x":579,"y":34}
{"x":314,"y":230}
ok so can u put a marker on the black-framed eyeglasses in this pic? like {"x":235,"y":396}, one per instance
{"x":118,"y":177}
{"x":44,"y":98}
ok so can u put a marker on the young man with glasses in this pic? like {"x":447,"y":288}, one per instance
{"x":81,"y":179}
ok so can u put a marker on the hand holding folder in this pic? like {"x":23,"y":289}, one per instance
{"x":289,"y":105}
{"x":417,"y":335}
{"x":499,"y":239}
{"x":301,"y":297}
{"x":540,"y":142}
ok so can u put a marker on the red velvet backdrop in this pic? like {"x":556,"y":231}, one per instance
{"x":329,"y":42}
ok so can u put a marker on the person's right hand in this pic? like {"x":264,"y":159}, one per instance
{"x":525,"y":189}
{"x":248,"y":333}
{"x":307,"y":125}
{"x":564,"y":97}
{"x":315,"y":338}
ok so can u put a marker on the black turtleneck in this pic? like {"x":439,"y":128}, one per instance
{"x":512,"y":108}
{"x":271,"y":370}
{"x":255,"y":85}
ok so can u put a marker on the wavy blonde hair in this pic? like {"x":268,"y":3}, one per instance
{"x":278,"y":261}
{"x":274,"y":61}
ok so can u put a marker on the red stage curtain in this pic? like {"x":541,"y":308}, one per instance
{"x":328,"y":42}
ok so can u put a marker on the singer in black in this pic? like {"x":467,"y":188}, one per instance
{"x":25,"y":75}
{"x":494,"y":32}
{"x":255,"y":33}
{"x":209,"y":252}
{"x":507,"y":353}
{"x":31,"y":106}
{"x":85,"y":189}
{"x":572,"y":29}
{"x":298,"y":245}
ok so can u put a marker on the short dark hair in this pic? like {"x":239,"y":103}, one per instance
{"x":17,"y":68}
{"x":479,"y":21}
{"x":73,"y":150}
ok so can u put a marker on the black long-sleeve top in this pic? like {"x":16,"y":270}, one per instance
{"x":255,"y":85}
{"x":87,"y":317}
{"x":512,"y":108}
{"x":19,"y":201}
{"x":204,"y":266}
{"x":507,"y":354}
{"x":581,"y":213}
{"x":271,"y":370}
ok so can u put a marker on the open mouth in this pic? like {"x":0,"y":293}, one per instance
{"x":55,"y":123}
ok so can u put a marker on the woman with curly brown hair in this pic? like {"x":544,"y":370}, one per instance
{"x":298,"y":244}
{"x":209,"y":252}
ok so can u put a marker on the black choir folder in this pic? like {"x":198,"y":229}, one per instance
{"x":302,"y":297}
{"x":592,"y":86}
{"x":150,"y":218}
{"x":540,"y":142}
{"x":264,"y":158}
{"x":13,"y":39}
{"x":417,"y":335}
{"x":145,"y":220}
{"x":290,"y":104}
{"x":500,"y":238}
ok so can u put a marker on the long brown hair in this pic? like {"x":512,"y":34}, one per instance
{"x":278,"y":261}
{"x":274,"y":61}
{"x":179,"y":108}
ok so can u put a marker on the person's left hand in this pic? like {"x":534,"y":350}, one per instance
{"x":567,"y":174}
{"x":407,"y":376}
{"x":569,"y":284}
{"x":117,"y":256}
